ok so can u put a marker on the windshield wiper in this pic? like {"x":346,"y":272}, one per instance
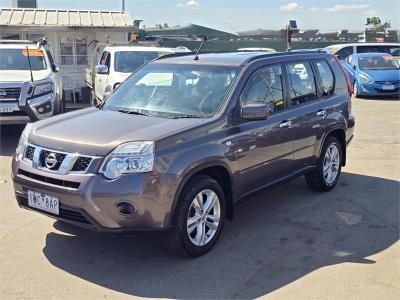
{"x":185,"y":117}
{"x":133,"y":112}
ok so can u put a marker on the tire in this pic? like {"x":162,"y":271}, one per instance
{"x":355,"y":90}
{"x":179,"y":240}
{"x":317,"y":180}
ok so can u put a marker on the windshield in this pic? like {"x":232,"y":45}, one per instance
{"x":17,"y":59}
{"x":173,"y":90}
{"x":129,"y":61}
{"x":384,"y":62}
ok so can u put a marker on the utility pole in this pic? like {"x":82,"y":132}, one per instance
{"x":123,"y":5}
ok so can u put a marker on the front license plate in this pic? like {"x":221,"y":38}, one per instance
{"x":44,"y":202}
{"x":388,"y":87}
{"x":8,"y":107}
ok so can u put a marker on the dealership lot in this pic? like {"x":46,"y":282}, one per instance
{"x":286,"y":242}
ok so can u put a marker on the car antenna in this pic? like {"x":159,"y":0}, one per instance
{"x":29,"y":62}
{"x":196,"y":57}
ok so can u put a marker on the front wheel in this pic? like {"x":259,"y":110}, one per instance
{"x":199,"y":218}
{"x":326,"y":175}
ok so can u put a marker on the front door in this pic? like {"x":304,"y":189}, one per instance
{"x":264,"y":148}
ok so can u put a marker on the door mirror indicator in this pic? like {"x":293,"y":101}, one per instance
{"x":254,"y":111}
{"x":101,"y":69}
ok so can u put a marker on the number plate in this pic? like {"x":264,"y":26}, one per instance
{"x":43,"y":202}
{"x":388,"y":87}
{"x":8,"y":107}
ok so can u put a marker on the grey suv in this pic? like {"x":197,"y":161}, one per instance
{"x":183,"y":139}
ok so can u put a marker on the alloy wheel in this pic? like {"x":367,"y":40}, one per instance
{"x":203,"y":217}
{"x":331,"y":164}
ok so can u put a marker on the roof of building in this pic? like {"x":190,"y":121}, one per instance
{"x":189,"y":29}
{"x":64,"y":18}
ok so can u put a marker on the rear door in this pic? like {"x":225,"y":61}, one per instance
{"x":308,"y":111}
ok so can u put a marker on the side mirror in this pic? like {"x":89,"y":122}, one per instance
{"x":354,"y":67}
{"x":55,"y":68}
{"x":254,"y":111}
{"x":101,"y":69}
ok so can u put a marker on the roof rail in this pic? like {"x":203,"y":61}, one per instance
{"x":16,"y":42}
{"x":175,"y":54}
{"x":267,"y":55}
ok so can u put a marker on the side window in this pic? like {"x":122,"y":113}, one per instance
{"x":327,"y":79}
{"x":301,"y":83}
{"x":265,"y":86}
{"x":103,"y":58}
{"x":344,"y":52}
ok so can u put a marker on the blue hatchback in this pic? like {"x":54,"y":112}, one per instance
{"x":373,"y":74}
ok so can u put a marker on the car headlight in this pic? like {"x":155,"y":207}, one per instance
{"x":128,"y":158}
{"x":23,"y":140}
{"x":366,"y":79}
{"x":41,"y":89}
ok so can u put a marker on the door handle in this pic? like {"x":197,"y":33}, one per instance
{"x":285,"y":124}
{"x":321,"y":113}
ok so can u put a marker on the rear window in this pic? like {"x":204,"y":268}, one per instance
{"x":327,"y":79}
{"x":17,"y":59}
{"x":378,"y":48}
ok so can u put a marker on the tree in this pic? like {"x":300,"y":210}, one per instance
{"x":376,"y":22}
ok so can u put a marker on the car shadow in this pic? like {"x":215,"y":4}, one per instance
{"x":9,"y":137}
{"x":379,"y":98}
{"x":275,"y":238}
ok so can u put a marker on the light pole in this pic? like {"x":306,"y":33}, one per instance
{"x":123,"y":5}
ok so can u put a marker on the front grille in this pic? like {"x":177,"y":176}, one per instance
{"x":60,"y":161}
{"x":45,"y":153}
{"x":11,"y":93}
{"x":65,"y":213}
{"x":388,"y":82}
{"x":29,"y":152}
{"x":81,"y":164}
{"x":54,"y":181}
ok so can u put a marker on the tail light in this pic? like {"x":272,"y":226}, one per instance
{"x":348,"y":83}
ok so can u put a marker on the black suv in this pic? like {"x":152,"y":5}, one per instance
{"x":183,"y":139}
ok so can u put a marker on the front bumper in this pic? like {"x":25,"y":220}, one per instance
{"x":90,"y":201}
{"x":377,"y":89}
{"x":23,"y":109}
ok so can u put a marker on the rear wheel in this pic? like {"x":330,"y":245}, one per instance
{"x":199,"y":218}
{"x":326,"y":175}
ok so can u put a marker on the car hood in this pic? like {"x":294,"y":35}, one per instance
{"x":383,"y":75}
{"x":22,"y":75}
{"x":97,"y":132}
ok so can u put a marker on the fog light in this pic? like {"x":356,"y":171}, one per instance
{"x":125,"y":208}
{"x":44,"y":108}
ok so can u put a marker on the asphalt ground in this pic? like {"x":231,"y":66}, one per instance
{"x":285,"y":243}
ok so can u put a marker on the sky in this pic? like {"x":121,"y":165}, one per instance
{"x":239,"y":15}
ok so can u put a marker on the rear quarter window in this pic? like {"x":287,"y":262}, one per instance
{"x":327,"y":79}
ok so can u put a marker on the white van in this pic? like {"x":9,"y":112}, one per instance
{"x":342,"y":51}
{"x":30,"y":86}
{"x":116,"y":63}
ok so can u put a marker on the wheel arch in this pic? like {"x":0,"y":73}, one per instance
{"x":217,"y":170}
{"x":340,"y":134}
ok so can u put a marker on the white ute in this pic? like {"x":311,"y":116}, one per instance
{"x":116,"y":63}
{"x":30,"y":86}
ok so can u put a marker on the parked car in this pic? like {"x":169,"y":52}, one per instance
{"x":373,"y":74}
{"x":117,"y":63}
{"x":342,"y":51}
{"x":183,"y":140}
{"x":30,"y":86}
